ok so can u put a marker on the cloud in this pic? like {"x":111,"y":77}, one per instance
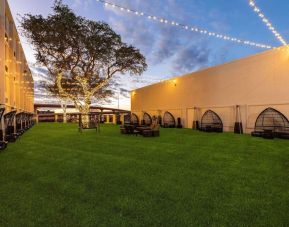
{"x":81,"y":3}
{"x":167,"y":46}
{"x":163,"y":43}
{"x":135,"y":32}
{"x":192,"y":58}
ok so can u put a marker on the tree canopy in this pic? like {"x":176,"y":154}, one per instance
{"x":81,"y":55}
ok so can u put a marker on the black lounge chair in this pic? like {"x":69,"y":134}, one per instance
{"x":257,"y":133}
{"x":3,"y":143}
{"x":130,"y":129}
{"x":283,"y":135}
{"x":123,"y":130}
{"x":154,"y":132}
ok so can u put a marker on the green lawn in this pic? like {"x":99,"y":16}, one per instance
{"x":54,"y":176}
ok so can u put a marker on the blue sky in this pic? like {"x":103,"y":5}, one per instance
{"x":171,"y":51}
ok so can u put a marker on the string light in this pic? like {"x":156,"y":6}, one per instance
{"x":185,"y":27}
{"x":266,"y":21}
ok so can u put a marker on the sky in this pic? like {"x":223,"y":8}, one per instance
{"x":170,"y":51}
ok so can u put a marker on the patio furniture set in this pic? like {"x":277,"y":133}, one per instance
{"x":145,"y":131}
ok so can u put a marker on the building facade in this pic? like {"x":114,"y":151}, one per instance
{"x":253,"y":84}
{"x":16,"y":82}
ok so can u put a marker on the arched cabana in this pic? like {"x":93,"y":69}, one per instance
{"x":127,"y":118}
{"x":147,"y":119}
{"x":134,"y":119}
{"x":3,"y":144}
{"x":19,"y":119}
{"x":211,"y":122}
{"x":169,"y":120}
{"x":271,"y":123}
{"x":10,"y":134}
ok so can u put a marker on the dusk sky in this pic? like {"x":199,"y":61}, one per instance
{"x":171,"y":51}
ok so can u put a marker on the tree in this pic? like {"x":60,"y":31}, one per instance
{"x":54,"y":91}
{"x":52,"y":88}
{"x":81,"y":53}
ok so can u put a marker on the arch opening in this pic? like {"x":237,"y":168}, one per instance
{"x":211,"y":122}
{"x":271,"y":123}
{"x":134,"y":119}
{"x":169,"y":120}
{"x":147,"y":119}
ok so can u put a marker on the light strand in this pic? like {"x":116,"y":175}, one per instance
{"x":185,"y":27}
{"x":266,"y":21}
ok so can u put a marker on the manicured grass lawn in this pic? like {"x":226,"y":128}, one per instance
{"x":54,"y":176}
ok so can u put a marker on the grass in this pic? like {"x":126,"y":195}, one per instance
{"x":54,"y":176}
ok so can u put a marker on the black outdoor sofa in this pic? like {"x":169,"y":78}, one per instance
{"x":135,"y":129}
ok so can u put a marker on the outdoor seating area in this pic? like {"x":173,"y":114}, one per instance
{"x":145,"y":131}
{"x":14,"y":125}
{"x":149,"y":128}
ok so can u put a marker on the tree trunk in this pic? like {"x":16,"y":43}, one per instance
{"x":64,"y":116}
{"x":64,"y":108}
{"x":85,"y":114}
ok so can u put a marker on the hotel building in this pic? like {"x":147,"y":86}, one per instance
{"x":16,"y":82}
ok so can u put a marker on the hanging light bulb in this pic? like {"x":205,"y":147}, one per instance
{"x":267,"y":22}
{"x":189,"y":28}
